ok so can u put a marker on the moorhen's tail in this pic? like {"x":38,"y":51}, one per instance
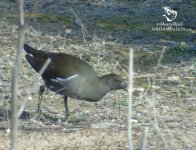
{"x":29,"y":49}
{"x":36,"y":58}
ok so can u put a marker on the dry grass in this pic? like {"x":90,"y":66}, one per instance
{"x":163,"y":102}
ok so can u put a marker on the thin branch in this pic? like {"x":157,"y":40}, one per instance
{"x":79,"y":23}
{"x":144,"y":139}
{"x":15,"y":75}
{"x":44,"y":66}
{"x":31,"y":11}
{"x":156,"y":123}
{"x":130,"y":143}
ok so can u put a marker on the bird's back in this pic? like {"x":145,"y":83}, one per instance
{"x":61,"y":65}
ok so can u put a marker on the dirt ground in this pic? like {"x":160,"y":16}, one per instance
{"x":164,"y":98}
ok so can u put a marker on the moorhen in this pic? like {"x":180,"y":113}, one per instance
{"x":72,"y":77}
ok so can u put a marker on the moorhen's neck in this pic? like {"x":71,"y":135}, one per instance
{"x":94,"y":89}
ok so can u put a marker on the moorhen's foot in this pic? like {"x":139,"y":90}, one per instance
{"x":41,"y":91}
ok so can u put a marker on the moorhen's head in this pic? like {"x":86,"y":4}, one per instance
{"x":114,"y":81}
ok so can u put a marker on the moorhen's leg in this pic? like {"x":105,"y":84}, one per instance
{"x":41,"y":91}
{"x":66,"y":108}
